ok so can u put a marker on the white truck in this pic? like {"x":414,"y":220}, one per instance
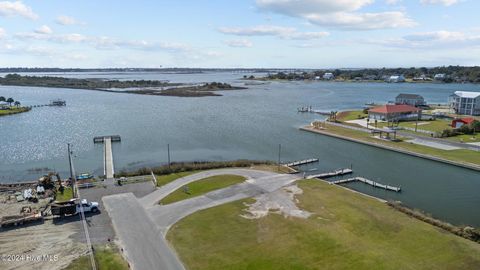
{"x":73,"y":207}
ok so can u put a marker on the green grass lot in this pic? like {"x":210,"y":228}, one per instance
{"x":433,"y":126}
{"x":13,"y":110}
{"x":203,"y":186}
{"x":465,"y":138}
{"x":350,"y":115}
{"x":67,"y":195}
{"x":167,"y":178}
{"x":462,"y":155}
{"x":346,"y":231}
{"x":106,"y":258}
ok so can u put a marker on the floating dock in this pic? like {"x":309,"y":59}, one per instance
{"x":331,"y":174}
{"x":301,"y":162}
{"x":108,"y":168}
{"x":368,"y":182}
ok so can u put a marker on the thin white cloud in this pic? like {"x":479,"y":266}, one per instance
{"x":68,"y":20}
{"x":440,"y":2}
{"x":272,"y":30}
{"x":392,"y":2}
{"x":432,"y":40}
{"x":103,"y":42}
{"x":3,"y":33}
{"x":10,"y":9}
{"x":44,"y":29}
{"x":239,"y":43}
{"x":342,"y":14}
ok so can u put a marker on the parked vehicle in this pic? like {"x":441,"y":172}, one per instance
{"x":73,"y":207}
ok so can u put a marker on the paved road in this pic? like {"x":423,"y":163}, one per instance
{"x":142,"y":241}
{"x":154,"y":197}
{"x":167,"y":215}
{"x":141,"y":224}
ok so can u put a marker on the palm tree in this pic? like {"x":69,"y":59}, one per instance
{"x":10,"y":101}
{"x":17,"y":103}
{"x":2,"y":98}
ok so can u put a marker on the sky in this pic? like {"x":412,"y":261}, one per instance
{"x":239,"y":33}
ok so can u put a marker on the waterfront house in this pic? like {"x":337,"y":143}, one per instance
{"x":466,"y":103}
{"x":396,"y":79}
{"x":459,"y":122}
{"x":440,"y":77}
{"x":410,"y":99}
{"x":390,"y":112}
{"x":4,"y":106}
{"x":328,"y":76}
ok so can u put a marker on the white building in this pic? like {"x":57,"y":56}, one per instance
{"x":466,"y":103}
{"x":440,"y":76}
{"x":328,"y":76}
{"x":396,"y":79}
{"x":410,"y":99}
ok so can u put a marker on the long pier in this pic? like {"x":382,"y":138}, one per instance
{"x":108,"y":167}
{"x":331,"y":174}
{"x":368,"y":182}
{"x":301,"y":162}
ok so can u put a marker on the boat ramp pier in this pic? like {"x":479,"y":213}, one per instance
{"x":301,"y":162}
{"x":108,"y":168}
{"x":337,"y":172}
{"x":368,"y":182}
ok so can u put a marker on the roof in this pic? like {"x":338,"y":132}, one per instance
{"x":465,"y":94}
{"x":409,"y":96}
{"x":394,"y":109}
{"x":466,"y":120}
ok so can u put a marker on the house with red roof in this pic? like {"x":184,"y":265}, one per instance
{"x":397,"y":112}
{"x":458,"y":122}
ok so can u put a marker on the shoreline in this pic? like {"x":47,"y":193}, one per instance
{"x":470,"y":166}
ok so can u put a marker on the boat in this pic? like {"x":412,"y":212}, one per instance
{"x":58,"y":102}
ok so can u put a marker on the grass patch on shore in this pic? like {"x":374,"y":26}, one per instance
{"x":65,"y":196}
{"x":106,"y":258}
{"x":460,"y":155}
{"x":347,"y":231}
{"x":350,"y":115}
{"x":167,"y":178}
{"x":14,"y":110}
{"x":202,"y":186}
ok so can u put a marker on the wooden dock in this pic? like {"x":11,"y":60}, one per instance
{"x":331,"y":174}
{"x":301,"y":162}
{"x":368,"y":182}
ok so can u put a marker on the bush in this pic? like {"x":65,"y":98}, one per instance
{"x":177,"y":167}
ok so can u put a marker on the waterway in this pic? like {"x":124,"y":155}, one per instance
{"x":245,"y":124}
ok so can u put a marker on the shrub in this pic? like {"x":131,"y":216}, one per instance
{"x":177,"y":167}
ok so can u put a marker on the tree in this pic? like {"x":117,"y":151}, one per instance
{"x":17,"y":103}
{"x":2,"y":98}
{"x":10,"y":101}
{"x":476,"y":126}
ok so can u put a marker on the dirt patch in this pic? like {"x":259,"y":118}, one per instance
{"x":281,"y":201}
{"x":39,"y":246}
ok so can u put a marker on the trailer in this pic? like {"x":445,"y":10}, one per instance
{"x":26,"y":215}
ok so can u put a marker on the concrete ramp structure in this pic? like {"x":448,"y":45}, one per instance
{"x":108,"y":167}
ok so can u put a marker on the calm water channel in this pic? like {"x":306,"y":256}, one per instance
{"x":241,"y":124}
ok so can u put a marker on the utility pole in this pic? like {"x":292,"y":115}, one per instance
{"x":72,"y":172}
{"x":168,"y":152}
{"x":416,"y":122}
{"x":279,"y":151}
